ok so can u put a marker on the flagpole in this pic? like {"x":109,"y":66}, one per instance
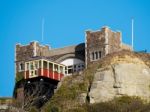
{"x":42,"y":30}
{"x":132,"y":34}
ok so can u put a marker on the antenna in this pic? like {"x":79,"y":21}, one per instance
{"x":132,"y":33}
{"x":42,"y":29}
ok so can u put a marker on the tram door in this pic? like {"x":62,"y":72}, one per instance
{"x":34,"y":68}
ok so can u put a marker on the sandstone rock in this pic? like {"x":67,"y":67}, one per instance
{"x":130,"y":78}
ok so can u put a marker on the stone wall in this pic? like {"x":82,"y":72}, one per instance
{"x":114,"y":40}
{"x":94,"y":42}
{"x":34,"y":49}
{"x":104,"y":41}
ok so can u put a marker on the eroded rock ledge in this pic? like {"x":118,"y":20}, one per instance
{"x":124,"y":74}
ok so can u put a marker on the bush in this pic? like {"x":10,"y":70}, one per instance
{"x":19,"y":76}
{"x":121,"y":104}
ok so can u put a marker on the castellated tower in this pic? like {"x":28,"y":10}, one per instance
{"x":100,"y":43}
{"x":26,"y":52}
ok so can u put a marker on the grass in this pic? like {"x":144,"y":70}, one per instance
{"x":19,"y":76}
{"x":67,"y":97}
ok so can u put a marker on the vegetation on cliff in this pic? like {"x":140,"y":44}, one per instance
{"x":72,"y":96}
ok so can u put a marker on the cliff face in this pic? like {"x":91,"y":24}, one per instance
{"x":115,"y":75}
{"x":118,"y":74}
{"x":125,"y":75}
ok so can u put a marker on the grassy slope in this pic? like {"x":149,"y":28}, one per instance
{"x":67,"y":98}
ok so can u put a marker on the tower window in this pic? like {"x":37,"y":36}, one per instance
{"x":96,"y":55}
{"x":92,"y":55}
{"x":100,"y":54}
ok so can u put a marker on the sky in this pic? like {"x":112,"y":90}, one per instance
{"x":65,"y":24}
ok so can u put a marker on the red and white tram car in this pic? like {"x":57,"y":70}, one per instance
{"x":44,"y":68}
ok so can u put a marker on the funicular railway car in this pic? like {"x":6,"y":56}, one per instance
{"x":44,"y":68}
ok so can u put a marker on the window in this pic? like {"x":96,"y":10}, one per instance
{"x":31,"y":66}
{"x":36,"y":64}
{"x":92,"y":55}
{"x":70,"y":71}
{"x":50,"y":66}
{"x":27,"y":65}
{"x":100,"y":54}
{"x":40,"y":64}
{"x":45,"y":64}
{"x":21,"y":67}
{"x":61,"y":69}
{"x":32,"y":73}
{"x":96,"y":55}
{"x":56,"y":68}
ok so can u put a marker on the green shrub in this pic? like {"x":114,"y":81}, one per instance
{"x":19,"y":76}
{"x":33,"y":109}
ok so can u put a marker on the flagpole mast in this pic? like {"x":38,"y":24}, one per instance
{"x":132,"y":34}
{"x":42,"y":29}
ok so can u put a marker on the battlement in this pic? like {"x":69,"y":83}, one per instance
{"x":97,"y":45}
{"x":102,"y":42}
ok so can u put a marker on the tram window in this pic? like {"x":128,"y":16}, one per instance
{"x":44,"y":64}
{"x":27,"y":65}
{"x":61,"y":69}
{"x":35,"y":72}
{"x":50,"y":66}
{"x":56,"y":68}
{"x":32,"y":73}
{"x":36,"y":64}
{"x":40,"y":64}
{"x":31,"y":66}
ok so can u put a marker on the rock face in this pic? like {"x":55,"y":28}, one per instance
{"x":123,"y":76}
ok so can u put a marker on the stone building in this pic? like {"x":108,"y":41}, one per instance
{"x":97,"y":45}
{"x":53,"y":64}
{"x":102,"y":42}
